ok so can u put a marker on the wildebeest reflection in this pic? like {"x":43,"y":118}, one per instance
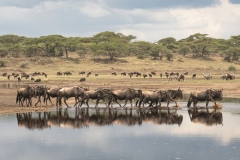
{"x":27,"y":120}
{"x":205,"y":116}
{"x":86,"y":117}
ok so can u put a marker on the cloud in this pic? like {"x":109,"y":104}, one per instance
{"x":147,"y":21}
{"x":133,"y":4}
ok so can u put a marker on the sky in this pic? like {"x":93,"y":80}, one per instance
{"x":148,"y":20}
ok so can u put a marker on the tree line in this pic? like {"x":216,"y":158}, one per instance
{"x":114,"y":45}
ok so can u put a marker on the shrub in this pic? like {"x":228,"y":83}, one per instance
{"x":23,"y":65}
{"x":232,"y":68}
{"x":2,"y":63}
{"x":140,"y":56}
{"x":169,"y":56}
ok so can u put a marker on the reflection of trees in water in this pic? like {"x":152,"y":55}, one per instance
{"x":27,"y":120}
{"x":205,"y":116}
{"x":85,"y":117}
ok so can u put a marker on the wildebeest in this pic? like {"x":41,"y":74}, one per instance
{"x":82,"y":79}
{"x":25,"y":94}
{"x":181,"y":78}
{"x":8,"y":77}
{"x":114,"y":73}
{"x":207,"y":76}
{"x":4,"y":74}
{"x":194,"y":76}
{"x":206,"y":95}
{"x":144,"y":75}
{"x":19,"y":79}
{"x":172,"y":95}
{"x":38,"y":80}
{"x":68,"y":92}
{"x":230,"y":77}
{"x":40,"y":91}
{"x":67,"y":73}
{"x":59,"y":73}
{"x":123,"y":73}
{"x":150,"y":97}
{"x":126,"y":94}
{"x":98,"y":94}
{"x":52,"y":92}
{"x":150,"y":75}
{"x":153,"y":73}
{"x":82,"y":72}
{"x":89,"y":73}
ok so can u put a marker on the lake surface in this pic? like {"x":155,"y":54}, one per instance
{"x":123,"y":134}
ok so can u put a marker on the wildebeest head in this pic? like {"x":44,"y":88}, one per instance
{"x":216,"y":94}
{"x":175,"y":94}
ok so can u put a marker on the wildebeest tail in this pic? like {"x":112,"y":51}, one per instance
{"x":189,"y":101}
{"x":17,"y":98}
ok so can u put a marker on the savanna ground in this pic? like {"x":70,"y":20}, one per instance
{"x":214,"y":65}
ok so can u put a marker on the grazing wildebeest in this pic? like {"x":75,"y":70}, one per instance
{"x":153,"y":73}
{"x":123,"y":74}
{"x":194,"y":76}
{"x":44,"y":74}
{"x":185,"y":73}
{"x":130,"y":74}
{"x":59,"y":73}
{"x":89,"y":74}
{"x":161,"y":75}
{"x":207,"y":76}
{"x":127,"y":94}
{"x":32,"y":79}
{"x":98,"y":94}
{"x":82,"y":72}
{"x":4,"y":74}
{"x":230,"y":77}
{"x":150,"y":75}
{"x":25,"y":75}
{"x":82,"y":79}
{"x":67,"y":73}
{"x":52,"y":92}
{"x":38,"y":80}
{"x":25,"y":93}
{"x":96,"y":74}
{"x":19,"y":79}
{"x":8,"y":77}
{"x":144,"y":75}
{"x":206,"y":95}
{"x":68,"y":92}
{"x":181,"y":78}
{"x":114,"y":73}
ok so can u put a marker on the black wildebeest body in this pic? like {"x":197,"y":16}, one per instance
{"x":126,"y":94}
{"x":150,"y":97}
{"x":99,"y":94}
{"x":82,"y":79}
{"x":52,"y":92}
{"x":40,"y":91}
{"x":68,"y":92}
{"x":206,"y":95}
{"x":194,"y":76}
{"x":181,"y":78}
{"x":25,"y":93}
{"x":172,"y":95}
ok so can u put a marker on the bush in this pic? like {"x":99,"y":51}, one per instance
{"x":232,"y":68}
{"x":140,"y":56}
{"x":169,"y":56}
{"x":23,"y":65}
{"x":2,"y":63}
{"x":74,"y":60}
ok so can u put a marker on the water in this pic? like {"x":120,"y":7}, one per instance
{"x":123,"y":134}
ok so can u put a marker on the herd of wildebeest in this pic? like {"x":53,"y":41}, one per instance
{"x":169,"y":75}
{"x":109,"y":96}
